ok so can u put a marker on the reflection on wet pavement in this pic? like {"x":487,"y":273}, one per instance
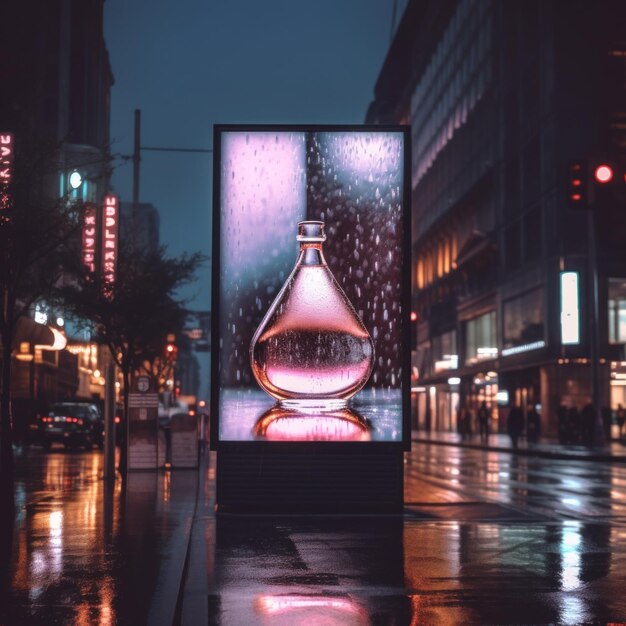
{"x":485,"y":539}
{"x":280,"y":424}
{"x":86,"y":551}
{"x":382,"y":571}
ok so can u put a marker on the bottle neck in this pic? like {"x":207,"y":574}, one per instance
{"x":311,"y":254}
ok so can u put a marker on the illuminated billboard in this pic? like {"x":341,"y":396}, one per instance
{"x":310,"y":284}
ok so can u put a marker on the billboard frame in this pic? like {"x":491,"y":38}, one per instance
{"x":405,"y":355}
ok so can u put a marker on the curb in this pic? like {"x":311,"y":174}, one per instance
{"x":548,"y":454}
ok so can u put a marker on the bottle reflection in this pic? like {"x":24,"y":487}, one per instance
{"x":282,"y":424}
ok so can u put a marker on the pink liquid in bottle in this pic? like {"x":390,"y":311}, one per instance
{"x":311,"y":349}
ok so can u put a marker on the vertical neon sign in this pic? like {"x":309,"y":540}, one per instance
{"x":6,"y":168}
{"x":110,"y":230}
{"x":89,"y":233}
{"x":570,"y":318}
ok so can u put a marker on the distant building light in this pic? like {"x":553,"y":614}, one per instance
{"x":60,"y":321}
{"x":41,"y":317}
{"x":454,"y":380}
{"x":527,"y":347}
{"x":76,"y":180}
{"x":502,"y":396}
{"x":449,"y":362}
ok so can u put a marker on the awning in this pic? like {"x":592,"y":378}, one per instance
{"x":39,"y":335}
{"x":477,"y":246}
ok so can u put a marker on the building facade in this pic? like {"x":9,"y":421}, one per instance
{"x":501,"y":97}
{"x":55,"y":81}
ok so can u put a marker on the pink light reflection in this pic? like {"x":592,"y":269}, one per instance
{"x":375,"y":157}
{"x":263,"y":187}
{"x":279,"y":424}
{"x":312,"y":609}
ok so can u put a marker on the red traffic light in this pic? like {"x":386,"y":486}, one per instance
{"x":577,"y":184}
{"x":603,"y":173}
{"x":413,"y":316}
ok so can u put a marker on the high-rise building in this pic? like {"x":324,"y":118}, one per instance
{"x":55,"y":81}
{"x":501,"y":98}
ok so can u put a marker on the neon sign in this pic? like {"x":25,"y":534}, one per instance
{"x":570,"y":315}
{"x":7,"y":149}
{"x":90,"y":230}
{"x":110,"y":230}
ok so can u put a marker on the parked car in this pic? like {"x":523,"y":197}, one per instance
{"x":73,"y":424}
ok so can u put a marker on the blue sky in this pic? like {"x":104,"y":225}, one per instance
{"x":192,"y":63}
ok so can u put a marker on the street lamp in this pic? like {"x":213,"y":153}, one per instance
{"x":75,"y":179}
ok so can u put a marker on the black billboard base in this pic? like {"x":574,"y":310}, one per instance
{"x":322,"y":481}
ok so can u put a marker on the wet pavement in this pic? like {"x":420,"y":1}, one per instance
{"x":86,"y":551}
{"x":487,"y":537}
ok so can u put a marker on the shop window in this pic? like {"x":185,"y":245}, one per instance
{"x":523,"y":319}
{"x":445,"y":351}
{"x":617,"y":310}
{"x":480,"y":338}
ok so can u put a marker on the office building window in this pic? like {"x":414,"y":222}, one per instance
{"x":445,"y":351}
{"x":523,"y":320}
{"x":617,"y":310}
{"x":480,"y":338}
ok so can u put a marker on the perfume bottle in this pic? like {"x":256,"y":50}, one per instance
{"x":281,"y":424}
{"x":311,"y":350}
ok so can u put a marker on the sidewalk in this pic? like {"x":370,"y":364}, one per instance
{"x":614,"y":451}
{"x":84,"y":550}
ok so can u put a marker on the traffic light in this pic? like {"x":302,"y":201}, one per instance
{"x":577,"y":184}
{"x":597,"y":183}
{"x":604,"y":175}
{"x":170,"y":350}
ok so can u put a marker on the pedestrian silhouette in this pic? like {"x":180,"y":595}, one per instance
{"x":562,"y":423}
{"x":587,"y":422}
{"x":620,"y":416}
{"x":484,"y":414}
{"x":573,"y":425}
{"x":533,"y":425}
{"x":515,"y":423}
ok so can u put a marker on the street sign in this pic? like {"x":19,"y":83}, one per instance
{"x":184,"y":433}
{"x":143,"y":407}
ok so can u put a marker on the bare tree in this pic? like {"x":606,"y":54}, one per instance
{"x":142,"y":310}
{"x":35,"y":228}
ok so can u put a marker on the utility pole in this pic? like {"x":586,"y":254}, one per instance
{"x":593,"y":276}
{"x":136,"y":159}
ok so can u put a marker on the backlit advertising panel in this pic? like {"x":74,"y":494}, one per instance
{"x":109,"y":246}
{"x":310,"y":284}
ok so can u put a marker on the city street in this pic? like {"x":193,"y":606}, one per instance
{"x":487,"y":537}
{"x":452,"y":482}
{"x":85,"y":551}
